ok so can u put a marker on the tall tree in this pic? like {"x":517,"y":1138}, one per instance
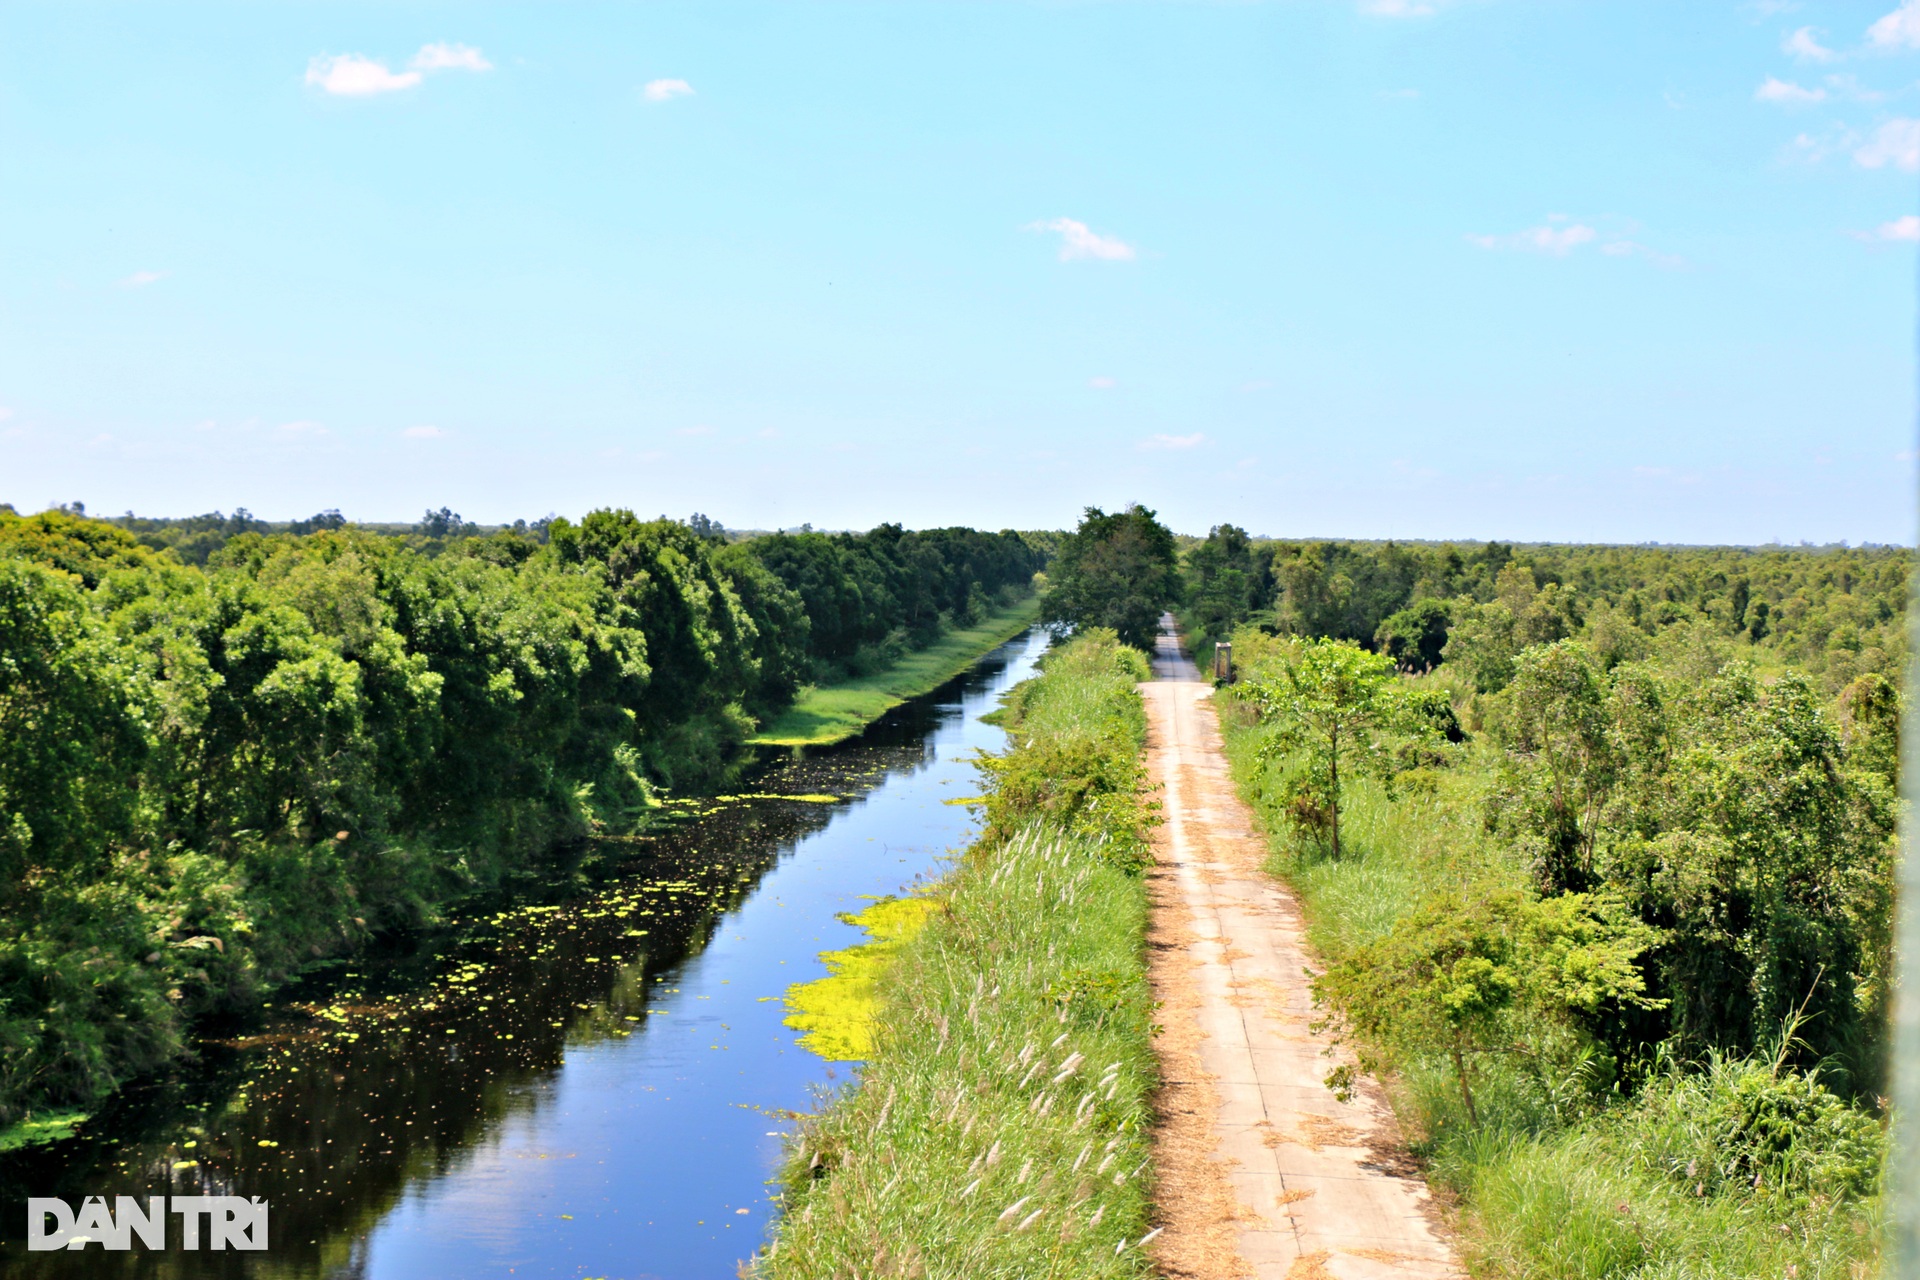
{"x":1115,"y":571}
{"x":1221,"y":580}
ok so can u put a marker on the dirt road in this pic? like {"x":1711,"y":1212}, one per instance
{"x":1263,"y":1172}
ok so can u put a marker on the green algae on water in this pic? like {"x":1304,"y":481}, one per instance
{"x":804,"y":797}
{"x":836,"y":1012}
{"x":50,"y":1126}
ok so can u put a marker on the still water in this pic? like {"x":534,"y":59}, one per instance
{"x":588,"y":1082}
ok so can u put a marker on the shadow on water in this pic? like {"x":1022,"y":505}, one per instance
{"x":565,"y":1083}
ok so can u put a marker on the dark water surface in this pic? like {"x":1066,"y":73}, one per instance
{"x":586,"y":1084}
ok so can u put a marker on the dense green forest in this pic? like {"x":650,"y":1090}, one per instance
{"x":1833,"y":612}
{"x":1598,"y":844}
{"x":227,"y":750}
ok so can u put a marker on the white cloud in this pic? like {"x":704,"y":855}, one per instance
{"x":693,"y":431}
{"x":449,"y":57}
{"x":1850,"y":88}
{"x":1399,"y":8}
{"x":1174,"y":442}
{"x":1561,"y":234}
{"x":141,"y":279}
{"x":1804,"y":45}
{"x":424,"y":432}
{"x":1904,"y":229}
{"x":355,"y":76}
{"x":1815,"y":149}
{"x":304,"y":427}
{"x":1634,"y":249}
{"x":1899,"y":29}
{"x":1103,"y":383}
{"x":1078,"y":240}
{"x":1787,"y":93}
{"x":1896,"y":143}
{"x":1558,"y":237}
{"x":662,"y":90}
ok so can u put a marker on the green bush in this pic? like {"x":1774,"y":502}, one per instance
{"x":1744,"y":1125}
{"x":1077,"y":730}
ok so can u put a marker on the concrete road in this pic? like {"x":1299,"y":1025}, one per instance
{"x":1264,"y":1171}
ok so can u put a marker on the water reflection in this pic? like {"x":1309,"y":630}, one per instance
{"x":589,"y":1084}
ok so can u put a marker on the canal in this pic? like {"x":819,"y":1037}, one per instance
{"x":587,"y":1079}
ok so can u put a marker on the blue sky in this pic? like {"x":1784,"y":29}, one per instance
{"x":1541,"y":269}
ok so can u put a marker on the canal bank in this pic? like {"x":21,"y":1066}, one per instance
{"x":590,"y":1084}
{"x":1000,"y":1128}
{"x":826,"y":714}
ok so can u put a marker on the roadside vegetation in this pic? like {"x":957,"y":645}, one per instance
{"x":999,"y":1126}
{"x":1603,"y":883}
{"x":233,"y":753}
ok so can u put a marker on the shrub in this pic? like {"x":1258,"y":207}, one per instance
{"x":1744,"y":1125}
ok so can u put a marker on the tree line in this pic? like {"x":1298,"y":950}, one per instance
{"x":216,"y":768}
{"x":1834,"y":612}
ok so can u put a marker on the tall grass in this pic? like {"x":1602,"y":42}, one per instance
{"x":1579,"y":1204}
{"x":999,"y":1128}
{"x":1568,"y":1176}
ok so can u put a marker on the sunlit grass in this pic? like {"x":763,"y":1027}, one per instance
{"x":999,"y":1129}
{"x":1571,"y":1205}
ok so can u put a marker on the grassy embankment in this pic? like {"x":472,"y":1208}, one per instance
{"x":1557,"y":1179}
{"x":825,"y":714}
{"x":999,"y":1126}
